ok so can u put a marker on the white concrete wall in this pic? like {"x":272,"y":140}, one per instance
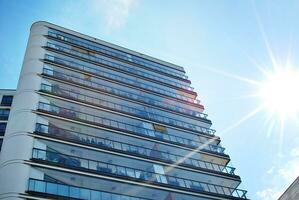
{"x":17,"y":144}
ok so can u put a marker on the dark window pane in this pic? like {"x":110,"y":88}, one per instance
{"x":4,"y":113}
{"x":1,"y":141}
{"x":6,"y":100}
{"x":2,"y":128}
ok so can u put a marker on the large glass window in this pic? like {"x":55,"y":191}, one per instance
{"x":2,"y":128}
{"x":4,"y":113}
{"x":6,"y":100}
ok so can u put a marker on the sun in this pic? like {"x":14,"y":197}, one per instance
{"x":280,"y":91}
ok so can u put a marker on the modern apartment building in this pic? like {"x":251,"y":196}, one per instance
{"x":92,"y":120}
{"x":6,"y":97}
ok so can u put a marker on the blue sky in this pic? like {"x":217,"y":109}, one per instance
{"x":212,"y":40}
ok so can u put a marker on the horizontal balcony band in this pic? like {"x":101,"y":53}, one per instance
{"x":89,"y":100}
{"x":134,"y":74}
{"x":129,"y":128}
{"x":107,"y":169}
{"x":59,"y":191}
{"x":224,"y":160}
{"x":84,"y":57}
{"x":111,"y":51}
{"x":120,"y":79}
{"x":155,"y":104}
{"x":119,"y":55}
{"x":113,"y":65}
{"x":135,"y":150}
{"x":119,"y":67}
{"x":109,"y":89}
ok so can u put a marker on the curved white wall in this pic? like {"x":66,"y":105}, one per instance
{"x":17,"y":144}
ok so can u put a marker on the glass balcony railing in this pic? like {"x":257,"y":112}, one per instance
{"x":126,"y":148}
{"x":130,"y":128}
{"x":124,"y":80}
{"x":133,"y":96}
{"x":58,"y":90}
{"x":117,"y":54}
{"x":74,"y":192}
{"x":115,"y":65}
{"x":135,"y":174}
{"x":95,"y":59}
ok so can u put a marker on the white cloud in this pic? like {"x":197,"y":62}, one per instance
{"x":115,"y":12}
{"x":295,"y":152}
{"x":281,"y":176}
{"x":290,"y":171}
{"x":268,"y":194}
{"x":271,"y":170}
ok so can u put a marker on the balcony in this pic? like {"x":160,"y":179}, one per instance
{"x":116,"y":54}
{"x":133,"y":174}
{"x":100,"y":60}
{"x":113,"y":65}
{"x":63,"y":191}
{"x":153,"y":154}
{"x":124,"y":80}
{"x":129,"y":128}
{"x":142,"y":113}
{"x":125,"y":94}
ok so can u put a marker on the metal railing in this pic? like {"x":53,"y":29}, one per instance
{"x":134,"y":82}
{"x":122,"y":147}
{"x":135,"y":174}
{"x":105,"y":122}
{"x":74,"y":192}
{"x":116,"y":53}
{"x":100,"y":60}
{"x":115,"y":91}
{"x":115,"y":65}
{"x":58,"y":90}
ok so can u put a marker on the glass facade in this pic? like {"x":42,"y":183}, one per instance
{"x":112,"y":124}
{"x":4,"y":114}
{"x":2,"y":128}
{"x":6,"y":100}
{"x":6,"y":97}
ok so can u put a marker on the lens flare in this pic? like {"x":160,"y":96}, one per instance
{"x":280,"y":92}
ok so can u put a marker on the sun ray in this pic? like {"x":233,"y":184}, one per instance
{"x":265,"y":38}
{"x":243,"y":119}
{"x":290,"y":50}
{"x":210,"y":141}
{"x":257,"y":65}
{"x":281,"y":133}
{"x":270,"y":128}
{"x":251,"y":81}
{"x":248,"y":96}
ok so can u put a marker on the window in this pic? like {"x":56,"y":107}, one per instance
{"x":2,"y":128}
{"x":1,"y":141}
{"x":159,"y":128}
{"x":4,"y":113}
{"x":6,"y":100}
